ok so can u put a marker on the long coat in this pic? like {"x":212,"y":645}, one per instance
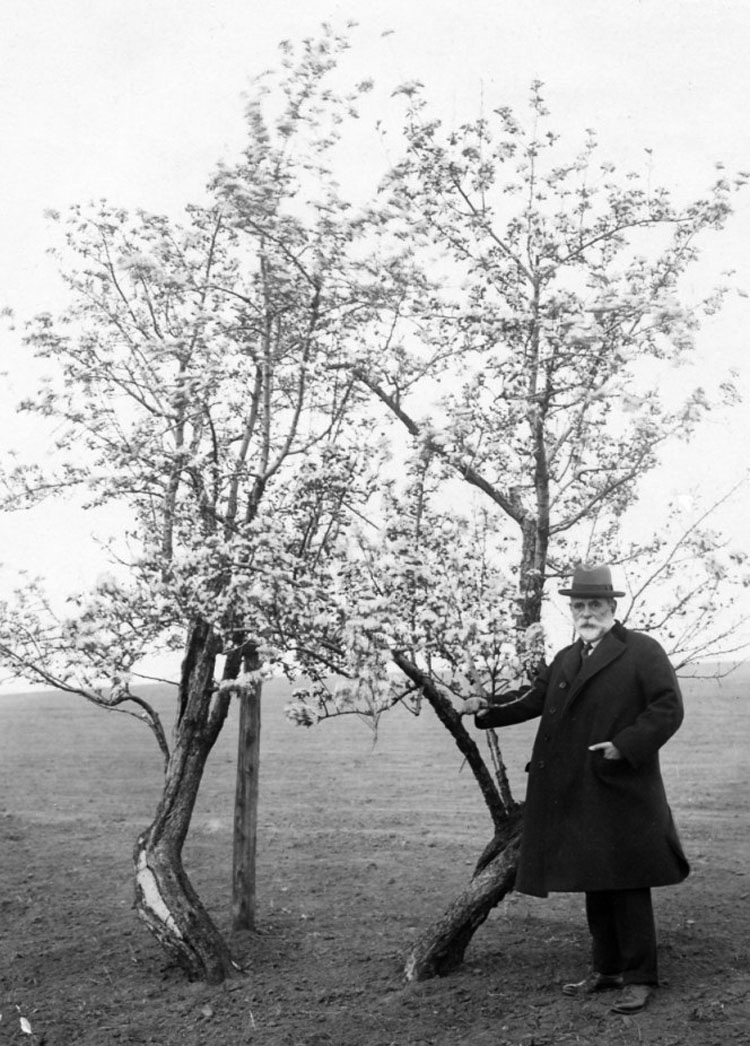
{"x":591,"y":823}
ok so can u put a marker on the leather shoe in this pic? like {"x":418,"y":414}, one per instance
{"x":633,"y":999}
{"x":595,"y":982}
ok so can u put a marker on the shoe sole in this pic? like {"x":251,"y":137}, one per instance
{"x":626,"y":1009}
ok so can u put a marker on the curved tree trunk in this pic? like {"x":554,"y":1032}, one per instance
{"x":498,"y":804}
{"x":441,"y":947}
{"x":164,"y":896}
{"x":172,"y":910}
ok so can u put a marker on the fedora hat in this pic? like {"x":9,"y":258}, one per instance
{"x":591,"y":583}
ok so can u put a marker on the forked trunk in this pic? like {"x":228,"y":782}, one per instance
{"x":164,"y":896}
{"x":441,"y":947}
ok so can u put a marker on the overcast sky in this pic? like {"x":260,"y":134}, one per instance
{"x":136,"y":100}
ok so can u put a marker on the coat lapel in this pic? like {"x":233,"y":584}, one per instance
{"x":571,"y":662}
{"x":608,"y":650}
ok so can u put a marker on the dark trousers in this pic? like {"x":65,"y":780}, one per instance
{"x":623,"y":934}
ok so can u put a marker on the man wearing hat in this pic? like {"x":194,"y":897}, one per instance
{"x":596,"y":816}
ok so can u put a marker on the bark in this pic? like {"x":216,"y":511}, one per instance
{"x":451,"y":720}
{"x":535,"y":542}
{"x":441,"y":947}
{"x":165,"y":899}
{"x":168,"y":904}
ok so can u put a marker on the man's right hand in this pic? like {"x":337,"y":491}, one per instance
{"x":473,"y":705}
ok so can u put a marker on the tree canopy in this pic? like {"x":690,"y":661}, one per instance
{"x":529,"y":346}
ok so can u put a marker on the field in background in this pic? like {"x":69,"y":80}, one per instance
{"x":361,"y":844}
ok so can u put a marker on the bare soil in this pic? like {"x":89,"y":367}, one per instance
{"x":361,"y":846}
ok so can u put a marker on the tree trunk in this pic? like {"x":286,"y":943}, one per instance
{"x":246,"y":804}
{"x":167,"y":902}
{"x":441,"y":947}
{"x":164,"y":896}
{"x":535,"y":542}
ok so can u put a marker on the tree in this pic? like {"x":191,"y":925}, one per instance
{"x":191,"y":384}
{"x":527,"y":355}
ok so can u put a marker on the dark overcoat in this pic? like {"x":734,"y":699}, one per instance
{"x":592,"y":823}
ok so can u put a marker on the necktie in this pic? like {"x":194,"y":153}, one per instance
{"x":587,"y":648}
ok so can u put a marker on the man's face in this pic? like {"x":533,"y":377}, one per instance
{"x":592,"y":617}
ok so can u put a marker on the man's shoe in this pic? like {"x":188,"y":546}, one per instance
{"x":596,"y":982}
{"x":633,"y":999}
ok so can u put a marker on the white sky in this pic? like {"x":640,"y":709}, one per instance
{"x":136,"y":100}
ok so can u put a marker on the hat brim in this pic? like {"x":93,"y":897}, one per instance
{"x":590,"y":592}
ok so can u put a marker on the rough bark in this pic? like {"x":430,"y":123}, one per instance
{"x":164,"y":896}
{"x":535,"y":543}
{"x":168,"y":904}
{"x":441,"y":947}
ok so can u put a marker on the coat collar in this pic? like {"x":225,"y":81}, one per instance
{"x":610,"y":647}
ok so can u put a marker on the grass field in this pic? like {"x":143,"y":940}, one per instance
{"x":361,"y":845}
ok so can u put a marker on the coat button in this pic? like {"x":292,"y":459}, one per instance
{"x":553,"y":710}
{"x":562,"y":685}
{"x":540,"y":764}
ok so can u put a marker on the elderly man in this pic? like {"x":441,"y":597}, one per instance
{"x":596,"y":816}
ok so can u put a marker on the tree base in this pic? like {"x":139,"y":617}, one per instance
{"x":167,"y":903}
{"x":440,"y":949}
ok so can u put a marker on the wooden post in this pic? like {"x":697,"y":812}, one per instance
{"x":246,"y":802}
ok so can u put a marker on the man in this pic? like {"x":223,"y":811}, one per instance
{"x":596,"y":816}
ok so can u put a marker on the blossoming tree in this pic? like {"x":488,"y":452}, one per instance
{"x":190,"y":384}
{"x":531,"y":355}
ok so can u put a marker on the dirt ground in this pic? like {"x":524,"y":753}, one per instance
{"x":361,"y":845}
